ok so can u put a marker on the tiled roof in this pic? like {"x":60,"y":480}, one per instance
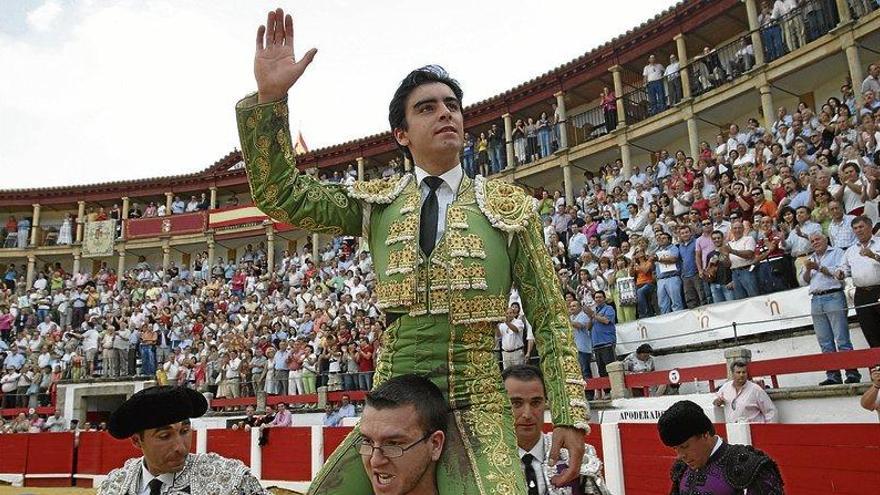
{"x":223,"y":164}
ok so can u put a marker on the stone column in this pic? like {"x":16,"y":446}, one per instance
{"x":31,"y":264}
{"x":360,"y":163}
{"x":736,"y":354}
{"x":693,"y":137}
{"x":767,"y":107}
{"x":567,"y":180}
{"x":166,"y":254}
{"x":855,"y":67}
{"x":316,"y":239}
{"x":508,"y":140}
{"x":562,"y":129}
{"x":270,"y":245}
{"x":120,"y":268}
{"x":681,"y":51}
{"x":76,"y":257}
{"x":616,"y":375}
{"x":618,"y":92}
{"x":80,"y":219}
{"x":213,"y":190}
{"x":169,"y":196}
{"x":211,"y":249}
{"x":626,"y":158}
{"x":124,"y":216}
{"x":35,"y":225}
{"x":843,"y":11}
{"x":755,"y":28}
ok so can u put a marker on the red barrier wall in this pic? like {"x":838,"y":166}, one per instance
{"x":60,"y":446}
{"x":333,"y":436}
{"x":823,"y":458}
{"x":288,"y":455}
{"x":234,"y":444}
{"x":13,"y":453}
{"x":646,"y":461}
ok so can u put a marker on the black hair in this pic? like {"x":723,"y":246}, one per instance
{"x":738,"y":364}
{"x":524,"y":373}
{"x":423,"y":75}
{"x":412,"y":390}
{"x":862,"y":219}
{"x":644,"y":349}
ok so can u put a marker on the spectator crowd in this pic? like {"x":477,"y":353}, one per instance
{"x":737,"y":220}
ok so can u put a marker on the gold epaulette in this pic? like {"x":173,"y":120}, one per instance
{"x":381,"y":191}
{"x":506,"y":205}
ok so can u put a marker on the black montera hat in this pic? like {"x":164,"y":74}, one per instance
{"x":154,"y":407}
{"x":681,"y":421}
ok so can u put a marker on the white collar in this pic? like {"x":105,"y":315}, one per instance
{"x":452,"y":177}
{"x":718,"y":443}
{"x":146,"y":477}
{"x":537,"y":450}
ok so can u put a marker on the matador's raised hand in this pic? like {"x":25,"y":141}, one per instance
{"x":275,"y":65}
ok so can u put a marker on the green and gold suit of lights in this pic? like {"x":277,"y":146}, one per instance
{"x":449,"y":302}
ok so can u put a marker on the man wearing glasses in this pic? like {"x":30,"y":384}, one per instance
{"x":402,"y":434}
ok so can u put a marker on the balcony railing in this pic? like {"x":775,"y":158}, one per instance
{"x":803,"y":25}
{"x":637,"y":105}
{"x":722,"y":65}
{"x":586,"y":126}
{"x":861,"y":8}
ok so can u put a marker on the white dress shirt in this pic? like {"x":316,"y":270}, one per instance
{"x":865,"y":271}
{"x":146,"y":477}
{"x":537,"y":463}
{"x":750,"y":405}
{"x":446,"y":193}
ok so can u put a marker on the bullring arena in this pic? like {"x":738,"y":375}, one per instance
{"x":750,"y":132}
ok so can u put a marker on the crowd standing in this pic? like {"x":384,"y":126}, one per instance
{"x":762,"y":209}
{"x":228,"y":328}
{"x":752,"y":214}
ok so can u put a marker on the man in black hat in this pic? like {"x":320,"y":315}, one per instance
{"x":157,"y":421}
{"x":707,"y":464}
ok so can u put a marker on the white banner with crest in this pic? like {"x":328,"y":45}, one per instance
{"x":98,"y":237}
{"x":767,"y":313}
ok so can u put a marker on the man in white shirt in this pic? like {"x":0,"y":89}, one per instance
{"x":863,"y":263}
{"x":233,"y":378}
{"x":744,"y":401}
{"x":157,"y":421}
{"x":872,"y":80}
{"x":90,"y":336}
{"x":653,"y":74}
{"x":47,"y":326}
{"x":513,"y":341}
{"x":673,"y":80}
{"x":528,"y":400}
{"x":576,"y":243}
{"x":742,"y":252}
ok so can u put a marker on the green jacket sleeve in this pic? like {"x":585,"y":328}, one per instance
{"x":536,"y":280}
{"x":277,"y":187}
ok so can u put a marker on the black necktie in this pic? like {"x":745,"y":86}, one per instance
{"x":531,"y":478}
{"x":155,"y":486}
{"x":430,"y":212}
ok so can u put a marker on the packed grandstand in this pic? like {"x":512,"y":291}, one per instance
{"x":679,"y":184}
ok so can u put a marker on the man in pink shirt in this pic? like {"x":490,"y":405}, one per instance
{"x":743,"y":400}
{"x":282,"y":417}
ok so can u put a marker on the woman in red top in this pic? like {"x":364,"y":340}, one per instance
{"x":609,"y":108}
{"x":365,"y":365}
{"x":238,"y":281}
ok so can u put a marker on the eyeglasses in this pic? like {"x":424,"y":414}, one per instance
{"x":366,"y":449}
